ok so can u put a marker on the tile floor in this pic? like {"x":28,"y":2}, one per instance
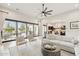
{"x":29,"y":49}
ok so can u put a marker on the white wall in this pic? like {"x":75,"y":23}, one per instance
{"x":2,"y":18}
{"x":66,"y":18}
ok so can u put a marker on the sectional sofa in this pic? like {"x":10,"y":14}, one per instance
{"x":64,"y":42}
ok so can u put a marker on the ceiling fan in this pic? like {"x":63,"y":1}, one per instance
{"x":45,"y":12}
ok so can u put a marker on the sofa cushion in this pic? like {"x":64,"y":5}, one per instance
{"x":67,"y":39}
{"x":64,"y":43}
{"x":62,"y":38}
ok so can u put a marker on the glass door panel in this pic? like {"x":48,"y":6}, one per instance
{"x":35,"y":30}
{"x":9,"y":30}
{"x":29,"y":29}
{"x":44,"y":31}
{"x":21,"y":29}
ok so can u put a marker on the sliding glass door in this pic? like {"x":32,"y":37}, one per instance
{"x":9,"y":30}
{"x":35,"y":30}
{"x":29,"y":29}
{"x":21,"y":29}
{"x":13,"y":28}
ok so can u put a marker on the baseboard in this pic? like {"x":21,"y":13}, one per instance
{"x":7,"y":41}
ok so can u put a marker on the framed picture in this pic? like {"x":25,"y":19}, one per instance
{"x":74,"y":25}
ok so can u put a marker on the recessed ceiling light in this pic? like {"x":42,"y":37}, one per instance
{"x":9,"y":4}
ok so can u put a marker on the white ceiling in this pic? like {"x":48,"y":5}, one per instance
{"x":33,"y":9}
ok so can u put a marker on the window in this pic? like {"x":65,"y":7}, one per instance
{"x":21,"y":29}
{"x":29,"y":29}
{"x":13,"y":28}
{"x":44,"y":31}
{"x":35,"y":30}
{"x":9,"y":30}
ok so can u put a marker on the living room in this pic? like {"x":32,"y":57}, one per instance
{"x":38,"y":29}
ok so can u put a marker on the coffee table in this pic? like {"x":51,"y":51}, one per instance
{"x":51,"y":52}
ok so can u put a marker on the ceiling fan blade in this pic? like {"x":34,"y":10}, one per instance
{"x":50,"y":11}
{"x":45,"y":9}
{"x":49,"y":14}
